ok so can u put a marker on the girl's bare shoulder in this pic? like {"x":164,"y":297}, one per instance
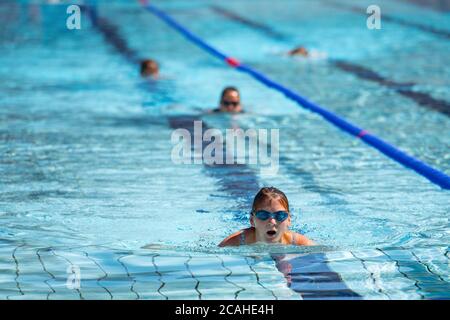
{"x":302,"y":240}
{"x":235,"y":238}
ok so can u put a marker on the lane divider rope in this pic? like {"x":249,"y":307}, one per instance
{"x":437,"y":177}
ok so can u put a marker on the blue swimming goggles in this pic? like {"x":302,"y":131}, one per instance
{"x":280,"y":216}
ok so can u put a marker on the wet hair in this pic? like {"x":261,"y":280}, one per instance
{"x":228,"y":89}
{"x":149,"y":64}
{"x":270,"y":193}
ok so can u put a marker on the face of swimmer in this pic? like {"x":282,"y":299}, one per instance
{"x":230,"y":101}
{"x":270,"y":230}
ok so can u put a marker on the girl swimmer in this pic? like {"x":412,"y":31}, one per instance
{"x":270,"y":220}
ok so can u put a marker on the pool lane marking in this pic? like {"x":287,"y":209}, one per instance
{"x":437,"y":177}
{"x":226,"y":176}
{"x":245,"y":21}
{"x":362,"y":72}
{"x":137,"y":274}
{"x":228,"y":280}
{"x":186,"y":264}
{"x":111,"y":34}
{"x":419,"y":265}
{"x":101,"y":278}
{"x":133,"y":281}
{"x":71,"y":264}
{"x":404,"y":89}
{"x":16,"y":262}
{"x":372,"y":275}
{"x":397,"y":264}
{"x":432,"y":5}
{"x":159,"y":277}
{"x":428,"y":268}
{"x":258,"y":280}
{"x":359,"y":10}
{"x":45,"y":269}
{"x":295,"y":277}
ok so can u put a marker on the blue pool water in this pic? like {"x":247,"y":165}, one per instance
{"x":87,"y":181}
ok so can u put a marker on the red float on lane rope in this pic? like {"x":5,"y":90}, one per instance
{"x":362,"y":133}
{"x":232,"y":62}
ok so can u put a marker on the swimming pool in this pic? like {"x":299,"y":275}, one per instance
{"x":88,"y":182}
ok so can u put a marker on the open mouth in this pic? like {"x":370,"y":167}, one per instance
{"x":271,"y":233}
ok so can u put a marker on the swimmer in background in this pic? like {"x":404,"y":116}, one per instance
{"x":306,"y":53}
{"x":299,"y":51}
{"x":270,"y":220}
{"x":149,"y":68}
{"x":230,"y":101}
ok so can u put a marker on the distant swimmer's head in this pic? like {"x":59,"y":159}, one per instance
{"x":230,"y":100}
{"x":270,"y":215}
{"x":149,"y":68}
{"x":299,"y":51}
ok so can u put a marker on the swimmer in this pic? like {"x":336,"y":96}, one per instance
{"x":230,"y":101}
{"x":308,"y":54}
{"x":299,"y":51}
{"x":270,"y":220}
{"x":149,"y":68}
